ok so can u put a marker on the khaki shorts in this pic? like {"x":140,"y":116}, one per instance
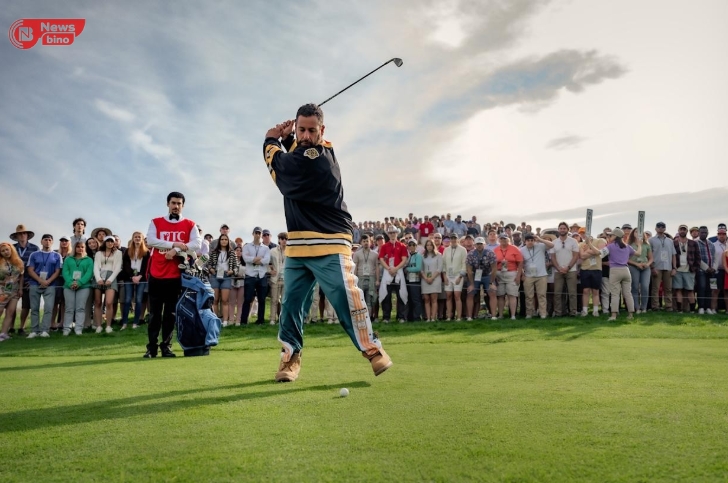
{"x":450,"y":285}
{"x":507,"y":284}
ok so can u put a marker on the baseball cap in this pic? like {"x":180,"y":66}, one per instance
{"x":626,"y":226}
{"x":107,"y":238}
{"x":379,"y":237}
{"x":618,"y":233}
{"x":721,"y":226}
{"x":64,"y":237}
{"x":266,"y":232}
{"x":453,"y":235}
{"x":47,"y":235}
{"x":695,"y":228}
{"x":412,"y":242}
{"x":502,"y":235}
{"x":257,"y":229}
{"x":660,"y":224}
{"x":480,"y":239}
{"x":682,"y":226}
{"x":224,"y":225}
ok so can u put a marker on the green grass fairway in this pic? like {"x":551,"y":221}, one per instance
{"x":557,"y":400}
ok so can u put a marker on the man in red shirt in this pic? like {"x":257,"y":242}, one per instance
{"x":393,"y":255}
{"x":167,"y":236}
{"x":426,"y":228}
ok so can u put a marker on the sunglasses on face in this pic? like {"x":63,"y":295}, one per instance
{"x":256,"y":233}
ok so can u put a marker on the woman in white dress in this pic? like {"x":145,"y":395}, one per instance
{"x":431,"y":280}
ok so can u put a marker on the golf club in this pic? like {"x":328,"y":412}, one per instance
{"x":397,"y":61}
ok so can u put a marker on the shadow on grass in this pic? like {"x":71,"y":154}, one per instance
{"x":65,"y":365}
{"x":122,"y":408}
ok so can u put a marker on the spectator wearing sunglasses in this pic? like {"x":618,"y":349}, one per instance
{"x":687,"y":265}
{"x":663,"y":266}
{"x":565,"y":254}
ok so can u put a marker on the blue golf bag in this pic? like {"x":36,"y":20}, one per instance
{"x":198,"y":328}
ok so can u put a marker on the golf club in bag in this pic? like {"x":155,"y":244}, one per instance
{"x":198,"y":328}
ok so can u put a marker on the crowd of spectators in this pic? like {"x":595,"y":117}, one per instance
{"x":436,"y":267}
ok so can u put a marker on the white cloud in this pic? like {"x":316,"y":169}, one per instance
{"x":114,"y":112}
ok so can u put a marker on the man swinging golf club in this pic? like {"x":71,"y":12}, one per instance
{"x":319,"y":239}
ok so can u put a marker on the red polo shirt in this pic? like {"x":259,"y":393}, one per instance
{"x":397,"y":252}
{"x":426,"y":228}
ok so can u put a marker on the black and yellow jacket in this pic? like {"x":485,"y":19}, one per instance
{"x":313,"y":197}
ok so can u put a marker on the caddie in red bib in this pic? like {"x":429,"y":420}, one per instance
{"x":167,"y":236}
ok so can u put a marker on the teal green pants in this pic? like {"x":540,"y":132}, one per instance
{"x":335,"y":275}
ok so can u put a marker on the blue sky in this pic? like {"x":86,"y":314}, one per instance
{"x":523,"y":110}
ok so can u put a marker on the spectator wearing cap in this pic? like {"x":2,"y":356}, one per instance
{"x":277,"y":275}
{"x":639,"y":270}
{"x":705,"y":273}
{"x":393,"y":256}
{"x":224,"y":230}
{"x":426,"y":229}
{"x":517,"y":239}
{"x":431,"y":279}
{"x":720,"y":252}
{"x":78,"y":273}
{"x":44,"y":267}
{"x":687,"y":263}
{"x":721,"y":226}
{"x":627,"y":229}
{"x":64,"y":250}
{"x":257,"y":257}
{"x":620,"y":280}
{"x":266,"y":239}
{"x":107,"y":267}
{"x":410,"y":230}
{"x":454,"y":272}
{"x":367,"y":272}
{"x":534,"y":273}
{"x":694,"y":232}
{"x":664,"y":263}
{"x":480,"y":265}
{"x":591,"y":275}
{"x":24,"y":249}
{"x":565,"y":254}
{"x":508,"y":276}
{"x":413,"y":271}
{"x":459,"y":228}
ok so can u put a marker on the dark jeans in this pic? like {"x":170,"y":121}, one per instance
{"x":414,"y":302}
{"x":254,"y":287}
{"x":163,"y":297}
{"x":387,"y":304}
{"x":702,"y":289}
{"x":129,"y":291}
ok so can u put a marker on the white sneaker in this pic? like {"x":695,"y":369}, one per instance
{"x":701,"y":312}
{"x":66,"y":332}
{"x":45,"y":334}
{"x":469,"y":319}
{"x":99,"y":329}
{"x":32,"y":335}
{"x":494,"y":318}
{"x":79,"y":332}
{"x":528,"y":317}
{"x":543,"y":316}
{"x":584,"y":313}
{"x":513,"y":317}
{"x":596,"y":313}
{"x":225,"y":324}
{"x":109,"y":330}
{"x":709,"y":311}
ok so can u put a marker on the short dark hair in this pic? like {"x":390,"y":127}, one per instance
{"x":311,"y":109}
{"x":364,"y":237}
{"x":176,"y":194}
{"x":565,"y":224}
{"x":77,"y":220}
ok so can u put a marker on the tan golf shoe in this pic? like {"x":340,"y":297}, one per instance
{"x":288,"y":371}
{"x":380,"y":361}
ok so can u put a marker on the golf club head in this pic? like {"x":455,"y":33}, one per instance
{"x":398,"y":62}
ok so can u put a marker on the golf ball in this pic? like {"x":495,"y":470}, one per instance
{"x":343,"y":392}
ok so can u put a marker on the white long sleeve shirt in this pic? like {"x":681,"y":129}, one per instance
{"x":251,"y":251}
{"x":103,"y":265}
{"x":193,"y":245}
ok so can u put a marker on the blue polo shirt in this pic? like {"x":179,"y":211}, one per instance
{"x":25,"y":253}
{"x":41,"y":261}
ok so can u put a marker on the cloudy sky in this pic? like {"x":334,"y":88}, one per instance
{"x":513,"y":110}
